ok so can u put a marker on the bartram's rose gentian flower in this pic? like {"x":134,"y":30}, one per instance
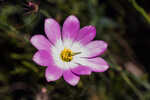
{"x":69,"y":53}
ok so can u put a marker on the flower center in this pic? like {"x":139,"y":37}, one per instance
{"x":66,"y":55}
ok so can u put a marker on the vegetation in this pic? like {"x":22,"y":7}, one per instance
{"x":123,"y":24}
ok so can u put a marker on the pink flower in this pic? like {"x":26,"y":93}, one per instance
{"x":69,"y":53}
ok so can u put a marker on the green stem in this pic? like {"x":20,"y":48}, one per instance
{"x":140,"y":10}
{"x":128,"y":81}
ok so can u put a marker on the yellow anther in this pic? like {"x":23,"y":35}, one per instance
{"x":66,"y":55}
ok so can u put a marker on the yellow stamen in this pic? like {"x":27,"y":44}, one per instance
{"x":67,"y":55}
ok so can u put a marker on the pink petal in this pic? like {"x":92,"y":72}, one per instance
{"x":52,"y":30}
{"x":97,"y":64}
{"x":70,"y":28}
{"x":42,"y":58}
{"x":71,"y":78}
{"x":53,"y":73}
{"x":81,"y":70}
{"x":95,"y":48}
{"x":86,"y":34}
{"x":40,"y":42}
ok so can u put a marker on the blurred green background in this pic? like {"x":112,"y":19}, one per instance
{"x":123,"y":24}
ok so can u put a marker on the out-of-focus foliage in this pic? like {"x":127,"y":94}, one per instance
{"x":22,"y":79}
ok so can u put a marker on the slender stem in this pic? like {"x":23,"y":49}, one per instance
{"x":128,"y":81}
{"x":140,"y":10}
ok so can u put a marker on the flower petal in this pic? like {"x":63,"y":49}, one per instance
{"x":40,"y":42}
{"x":53,"y":73}
{"x":95,"y":48}
{"x":81,"y":70}
{"x":52,"y":30}
{"x":42,"y":58}
{"x":86,"y":34}
{"x":70,"y":28}
{"x":71,"y":78}
{"x":96,"y":64}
